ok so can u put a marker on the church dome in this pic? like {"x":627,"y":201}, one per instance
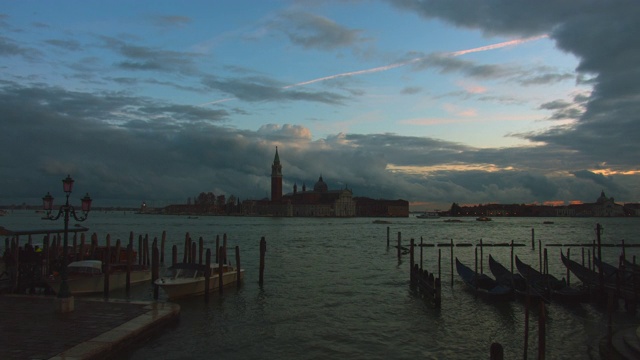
{"x":320,"y":186}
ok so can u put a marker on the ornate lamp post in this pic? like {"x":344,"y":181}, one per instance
{"x":66,"y":210}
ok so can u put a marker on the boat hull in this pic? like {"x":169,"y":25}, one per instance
{"x":181,"y":287}
{"x":92,"y":284}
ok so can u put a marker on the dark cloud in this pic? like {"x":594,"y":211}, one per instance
{"x":259,"y":88}
{"x":71,"y":45}
{"x":119,"y":146}
{"x":9,"y":47}
{"x":410,"y":90}
{"x":313,"y":31}
{"x":145,"y":58}
{"x":602,"y":35}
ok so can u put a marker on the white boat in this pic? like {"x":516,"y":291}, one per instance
{"x":184,"y":279}
{"x":86,"y":277}
{"x":429,"y":215}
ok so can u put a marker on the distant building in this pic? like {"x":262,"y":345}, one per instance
{"x":602,"y":207}
{"x":276,"y":179}
{"x":320,"y":201}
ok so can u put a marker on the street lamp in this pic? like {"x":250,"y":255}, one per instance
{"x":66,"y":210}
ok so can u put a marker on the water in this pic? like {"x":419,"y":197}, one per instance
{"x":334,"y":290}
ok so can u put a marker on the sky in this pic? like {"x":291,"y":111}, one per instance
{"x":434,"y":102}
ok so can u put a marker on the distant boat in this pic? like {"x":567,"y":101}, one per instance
{"x":483,"y":218}
{"x":381,"y":222}
{"x":429,"y":215}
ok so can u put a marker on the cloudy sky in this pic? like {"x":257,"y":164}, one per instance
{"x":433,"y":102}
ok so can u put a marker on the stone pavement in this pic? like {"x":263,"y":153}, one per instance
{"x":30,"y":328}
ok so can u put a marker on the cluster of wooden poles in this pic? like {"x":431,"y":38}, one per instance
{"x":119,"y":256}
{"x":426,"y":283}
{"x":429,"y":285}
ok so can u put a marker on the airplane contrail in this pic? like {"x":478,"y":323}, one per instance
{"x":404,"y":63}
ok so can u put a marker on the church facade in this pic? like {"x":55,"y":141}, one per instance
{"x":319,"y":201}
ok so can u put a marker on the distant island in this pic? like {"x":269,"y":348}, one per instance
{"x":319,"y":201}
{"x":602,"y":207}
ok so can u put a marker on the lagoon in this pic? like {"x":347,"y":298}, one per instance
{"x":333,"y":289}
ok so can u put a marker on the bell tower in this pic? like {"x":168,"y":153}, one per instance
{"x":276,"y":179}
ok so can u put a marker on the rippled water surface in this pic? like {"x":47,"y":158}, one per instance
{"x":334,"y":290}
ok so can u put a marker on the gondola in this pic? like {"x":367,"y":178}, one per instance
{"x":631,"y":266}
{"x":591,"y":278}
{"x":550,"y":286}
{"x":515,"y":281}
{"x":611,"y":272}
{"x":586,"y":275}
{"x":482,"y":284}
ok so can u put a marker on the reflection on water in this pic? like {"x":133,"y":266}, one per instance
{"x":334,"y":290}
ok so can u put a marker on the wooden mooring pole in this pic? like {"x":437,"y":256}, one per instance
{"x":421,"y":252}
{"x":542,"y":325}
{"x":187,"y":248}
{"x":601,"y":273}
{"x":527,"y":305}
{"x":481,"y":257}
{"x":207,"y":276}
{"x":263,"y":250}
{"x":451,"y":262}
{"x":162,"y":241}
{"x":238,"y":268}
{"x":129,"y":260}
{"x":174,"y":255}
{"x":496,"y":352}
{"x":145,"y":247}
{"x":223,"y":252}
{"x":568,"y":272}
{"x":533,"y":239}
{"x":411,"y":258}
{"x":217,"y":248}
{"x":155,"y":269}
{"x":439,"y":263}
{"x":224,"y":245}
{"x":106,"y":266}
{"x":540,"y":255}
{"x":388,"y":237}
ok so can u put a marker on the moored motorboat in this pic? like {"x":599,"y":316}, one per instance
{"x":186,"y":279}
{"x":87,"y":277}
{"x":483,"y":218}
